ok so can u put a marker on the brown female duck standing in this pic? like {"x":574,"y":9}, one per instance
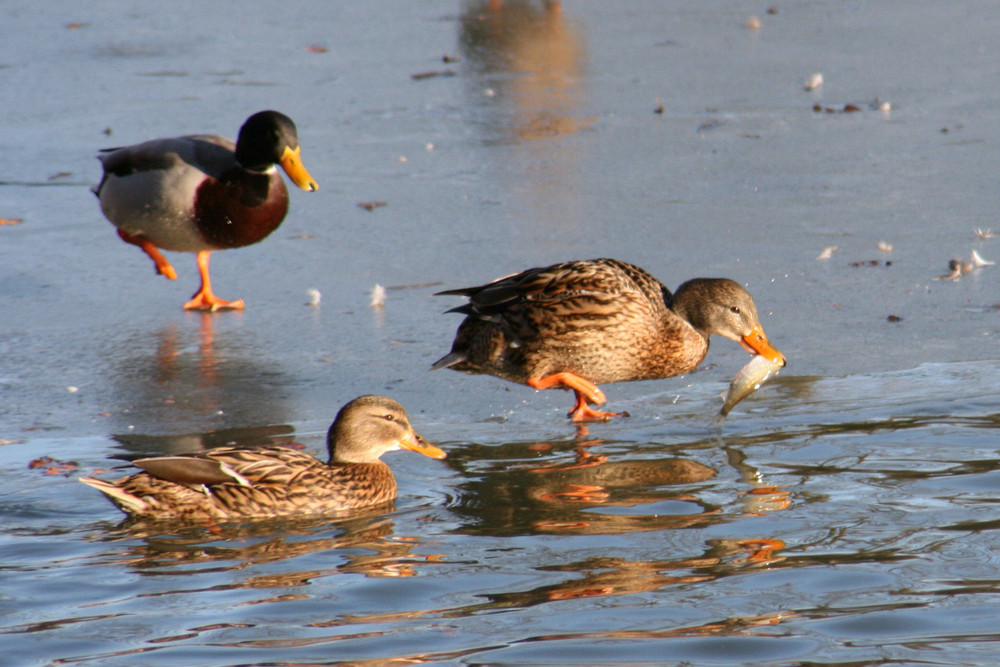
{"x":271,"y":481}
{"x":202,"y":193}
{"x":579,"y":324}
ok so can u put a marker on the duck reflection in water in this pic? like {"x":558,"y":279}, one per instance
{"x":364,"y":544}
{"x":615,"y":576}
{"x":621,"y":576}
{"x":194,"y":373}
{"x":533,"y":41}
{"x":524,"y":66}
{"x":577,"y":490}
{"x":761,"y":496}
{"x":517,"y":495}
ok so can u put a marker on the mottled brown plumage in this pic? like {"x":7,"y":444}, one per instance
{"x":240,"y":483}
{"x":578,"y":324}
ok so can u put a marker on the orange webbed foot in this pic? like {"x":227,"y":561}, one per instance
{"x":210,"y":302}
{"x":582,"y":412}
{"x":204,"y":298}
{"x":163,"y":267}
{"x":586,"y":392}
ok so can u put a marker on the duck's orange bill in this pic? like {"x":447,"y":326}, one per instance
{"x":291,"y":162}
{"x":756,"y":342}
{"x":416,"y":443}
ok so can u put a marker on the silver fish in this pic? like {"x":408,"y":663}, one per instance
{"x":758,"y":371}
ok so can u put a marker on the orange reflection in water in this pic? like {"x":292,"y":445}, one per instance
{"x":364,"y":541}
{"x":542,"y":51}
{"x":192,"y":373}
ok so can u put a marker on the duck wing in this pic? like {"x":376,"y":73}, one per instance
{"x":244,"y":466}
{"x":209,"y":153}
{"x":579,"y":290}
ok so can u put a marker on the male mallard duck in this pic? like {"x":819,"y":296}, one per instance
{"x":202,"y":192}
{"x":270,"y":481}
{"x":578,"y":324}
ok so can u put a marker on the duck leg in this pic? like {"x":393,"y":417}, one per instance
{"x":585,"y":391}
{"x":204,"y":298}
{"x":163,"y":267}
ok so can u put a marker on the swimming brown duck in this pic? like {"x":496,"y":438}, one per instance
{"x":579,"y":324}
{"x":260,"y":482}
{"x":202,"y":193}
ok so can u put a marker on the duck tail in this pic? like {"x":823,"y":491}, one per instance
{"x":449,"y":360}
{"x":461,"y":291}
{"x":125,"y":501}
{"x":464,"y":309}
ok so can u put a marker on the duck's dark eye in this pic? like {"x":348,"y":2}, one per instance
{"x":389,"y":418}
{"x":735,"y":309}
